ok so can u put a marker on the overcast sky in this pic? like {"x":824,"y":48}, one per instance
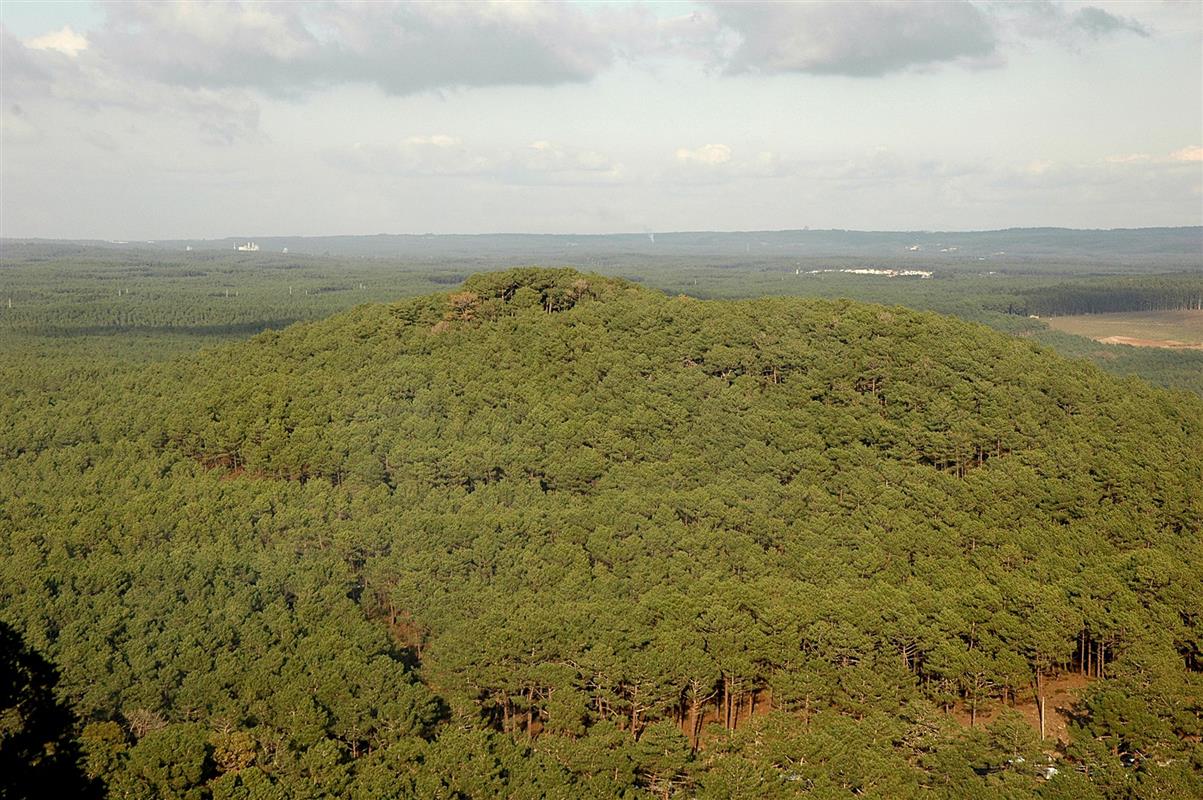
{"x":160,"y":120}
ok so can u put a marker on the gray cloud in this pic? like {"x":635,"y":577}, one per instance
{"x":290,"y":49}
{"x":45,"y":81}
{"x":857,"y":39}
{"x":403,"y":48}
{"x":22,"y":69}
{"x":1095,"y":23}
{"x":1050,"y":20}
{"x":872,"y":39}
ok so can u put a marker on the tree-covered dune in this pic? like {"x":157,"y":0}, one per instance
{"x":556,"y":535}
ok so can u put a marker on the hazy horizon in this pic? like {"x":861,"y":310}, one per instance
{"x":598,"y":234}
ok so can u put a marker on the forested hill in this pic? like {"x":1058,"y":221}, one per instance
{"x":556,"y":535}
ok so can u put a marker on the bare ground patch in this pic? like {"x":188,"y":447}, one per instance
{"x":1178,"y":330}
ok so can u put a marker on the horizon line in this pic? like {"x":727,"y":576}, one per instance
{"x":646,"y":232}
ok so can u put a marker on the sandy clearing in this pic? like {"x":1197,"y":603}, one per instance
{"x":1135,"y":342}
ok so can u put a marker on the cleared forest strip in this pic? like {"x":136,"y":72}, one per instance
{"x":1169,"y":329}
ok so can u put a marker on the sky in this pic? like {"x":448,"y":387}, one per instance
{"x":164,"y":120}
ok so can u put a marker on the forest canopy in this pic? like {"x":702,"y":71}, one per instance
{"x":554,"y":534}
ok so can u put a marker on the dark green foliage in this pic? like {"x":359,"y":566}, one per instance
{"x":556,"y":535}
{"x":39,"y":755}
{"x":1146,"y":293}
{"x":77,"y":301}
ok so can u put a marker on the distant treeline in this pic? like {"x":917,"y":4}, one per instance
{"x":1160,"y":293}
{"x":146,"y":303}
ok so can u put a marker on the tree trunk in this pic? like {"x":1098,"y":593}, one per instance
{"x":727,"y":702}
{"x":1040,"y":701}
{"x":693,"y":723}
{"x":530,"y":712}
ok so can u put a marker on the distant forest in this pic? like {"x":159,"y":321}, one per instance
{"x":151,"y":302}
{"x":1121,"y":250}
{"x":1101,"y":296}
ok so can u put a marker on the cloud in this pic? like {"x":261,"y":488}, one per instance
{"x":883,"y":166}
{"x":47,"y":81}
{"x":707,"y":154}
{"x":1144,"y":176}
{"x":403,"y":48}
{"x":877,"y":38}
{"x":1095,"y":23}
{"x":1050,"y":20}
{"x":1039,"y":167}
{"x":231,"y":54}
{"x":435,"y":140}
{"x":441,"y":155}
{"x":719,"y":163}
{"x":855,"y":39}
{"x":1185,"y":154}
{"x":1192,"y":153}
{"x":15,"y":125}
{"x":23,"y":70}
{"x":767,"y":164}
{"x":431,"y":155}
{"x":548,"y":157}
{"x":1127,"y":158}
{"x":65,"y":41}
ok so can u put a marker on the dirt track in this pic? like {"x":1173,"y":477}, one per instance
{"x":1134,"y":342}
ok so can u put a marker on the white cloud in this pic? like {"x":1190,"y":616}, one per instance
{"x":441,"y":155}
{"x":767,"y":164}
{"x":1141,"y":174}
{"x":428,"y":155}
{"x":707,"y":154}
{"x":1192,"y":153}
{"x":1130,"y":158}
{"x":65,"y":41}
{"x":722,"y":164}
{"x":882,"y":166}
{"x":545,"y":156}
{"x":437,"y":140}
{"x":1039,"y":167}
{"x":1185,"y":154}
